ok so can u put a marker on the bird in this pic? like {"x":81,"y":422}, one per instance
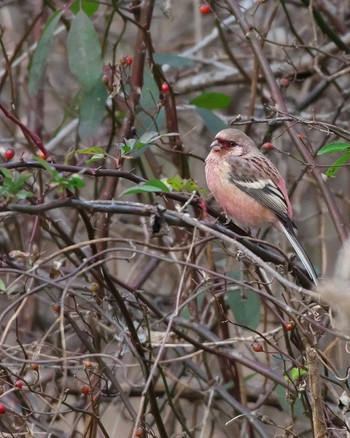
{"x":250,"y":189}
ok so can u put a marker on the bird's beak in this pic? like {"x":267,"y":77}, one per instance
{"x":216,"y":146}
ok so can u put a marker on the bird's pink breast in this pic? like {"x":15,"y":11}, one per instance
{"x":242,"y":208}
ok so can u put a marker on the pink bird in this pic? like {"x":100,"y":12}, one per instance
{"x":249,"y":188}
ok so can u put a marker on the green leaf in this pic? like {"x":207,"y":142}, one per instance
{"x":45,"y":165}
{"x":294,"y":375}
{"x":92,"y":109}
{"x":140,"y":149}
{"x":84,"y":52}
{"x":88,"y":6}
{"x":291,"y":407}
{"x":211,"y":101}
{"x":76,"y":182}
{"x":2,"y":285}
{"x":332,"y":148}
{"x":148,"y":137}
{"x":173,"y":60}
{"x":153,"y":118}
{"x":150,"y":92}
{"x":177,"y":183}
{"x":130,"y":143}
{"x":39,"y":59}
{"x":213,"y":122}
{"x":91,"y":151}
{"x":152,"y":136}
{"x":191,"y":185}
{"x":159,"y":119}
{"x":333,"y":169}
{"x":185,"y":313}
{"x":24,"y":194}
{"x":94,"y":158}
{"x":139,"y":145}
{"x":127,"y":146}
{"x":182,"y":185}
{"x":245,"y":305}
{"x":12,"y":184}
{"x":154,"y":185}
{"x":150,"y":117}
{"x":134,"y":148}
{"x":5,"y":172}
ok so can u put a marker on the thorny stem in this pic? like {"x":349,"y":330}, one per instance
{"x":144,"y":13}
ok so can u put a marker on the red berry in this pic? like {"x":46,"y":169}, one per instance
{"x":165,"y":87}
{"x":138,"y":432}
{"x":257,"y":347}
{"x":284,"y":82}
{"x":56,"y":308}
{"x":19,"y":384}
{"x":268,"y":146}
{"x":125,"y":60}
{"x":205,"y":9}
{"x":2,"y":409}
{"x":85,"y":390}
{"x":288,"y":326}
{"x":9,"y":154}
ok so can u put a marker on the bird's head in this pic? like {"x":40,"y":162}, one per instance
{"x":232,"y":141}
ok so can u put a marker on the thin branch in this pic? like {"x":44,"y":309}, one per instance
{"x":26,"y":131}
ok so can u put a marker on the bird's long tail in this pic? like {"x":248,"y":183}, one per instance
{"x":300,"y":252}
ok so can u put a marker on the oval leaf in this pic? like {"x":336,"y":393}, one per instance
{"x":39,"y":59}
{"x":294,"y":375}
{"x":76,"y":182}
{"x":84,"y":52}
{"x":333,"y":169}
{"x":245,"y":305}
{"x":154,"y":185}
{"x":332,"y":148}
{"x":91,"y":151}
{"x":150,"y":118}
{"x":295,"y":408}
{"x":88,"y":6}
{"x":150,"y":92}
{"x":212,"y":121}
{"x":173,"y":60}
{"x":148,"y":137}
{"x":211,"y":101}
{"x":94,"y":158}
{"x":179,"y":184}
{"x":92,"y":109}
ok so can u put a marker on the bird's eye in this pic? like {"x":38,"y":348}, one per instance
{"x":233,"y":143}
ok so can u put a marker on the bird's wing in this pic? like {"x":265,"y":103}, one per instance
{"x":267,"y":187}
